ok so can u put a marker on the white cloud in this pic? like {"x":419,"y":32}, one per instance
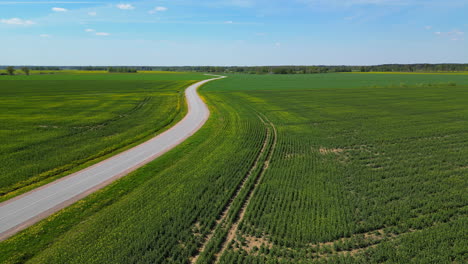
{"x":125,"y":6}
{"x":89,"y":30}
{"x":158,"y":9}
{"x":428,"y":27}
{"x":228,"y":22}
{"x":457,"y":32}
{"x":278,"y":44}
{"x":17,"y":21}
{"x":261,"y":34}
{"x":92,"y":13}
{"x":44,"y":35}
{"x":240,"y":3}
{"x":349,"y":18}
{"x":102,"y":34}
{"x":59,"y":9}
{"x":348,"y":3}
{"x":454,"y":35}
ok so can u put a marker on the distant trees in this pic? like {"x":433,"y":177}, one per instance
{"x":285,"y":69}
{"x":46,"y":68}
{"x":320,"y":68}
{"x":10,"y":70}
{"x":122,"y":70}
{"x":25,"y":70}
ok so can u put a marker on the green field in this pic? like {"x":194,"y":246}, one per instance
{"x":324,"y":168}
{"x":364,"y":175}
{"x":49,"y":127}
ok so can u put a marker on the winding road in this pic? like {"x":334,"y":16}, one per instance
{"x":22,"y":211}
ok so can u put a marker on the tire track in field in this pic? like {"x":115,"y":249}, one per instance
{"x":240,"y":215}
{"x":239,"y":188}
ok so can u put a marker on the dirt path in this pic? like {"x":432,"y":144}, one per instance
{"x":233,"y":230}
{"x":239,"y":188}
{"x":228,"y":222}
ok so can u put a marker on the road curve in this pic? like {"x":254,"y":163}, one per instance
{"x":22,"y":211}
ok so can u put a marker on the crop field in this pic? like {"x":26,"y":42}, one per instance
{"x":104,"y":75}
{"x":161,"y":213}
{"x":361,"y":175}
{"x":50,"y":127}
{"x":324,"y":168}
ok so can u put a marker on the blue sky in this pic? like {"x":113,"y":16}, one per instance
{"x":233,"y":32}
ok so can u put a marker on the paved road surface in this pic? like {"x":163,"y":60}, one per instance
{"x":22,"y":211}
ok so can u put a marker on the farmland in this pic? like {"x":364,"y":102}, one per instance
{"x":325,"y":168}
{"x":361,"y":175}
{"x":50,"y":127}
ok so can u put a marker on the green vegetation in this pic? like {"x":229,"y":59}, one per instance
{"x":10,"y":70}
{"x":325,"y":168}
{"x":122,"y":70}
{"x":395,"y":68}
{"x":160,"y":213}
{"x":26,"y":70}
{"x":323,"y":68}
{"x":450,"y":67}
{"x":276,"y":83}
{"x":50,"y":128}
{"x":104,"y":75}
{"x":362,"y":175}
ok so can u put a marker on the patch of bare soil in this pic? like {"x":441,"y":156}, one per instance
{"x":325,"y":151}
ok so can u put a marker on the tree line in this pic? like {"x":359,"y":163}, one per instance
{"x":450,"y":67}
{"x":10,"y":70}
{"x":322,"y":68}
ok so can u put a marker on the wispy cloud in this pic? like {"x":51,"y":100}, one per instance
{"x":89,"y":30}
{"x":92,"y":13}
{"x":241,"y":3}
{"x":102,"y":34}
{"x":44,"y":35}
{"x":125,"y":6}
{"x":348,"y":3}
{"x":17,"y":21}
{"x":158,"y":9}
{"x":452,"y":35}
{"x":350,"y":18}
{"x":59,"y":9}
